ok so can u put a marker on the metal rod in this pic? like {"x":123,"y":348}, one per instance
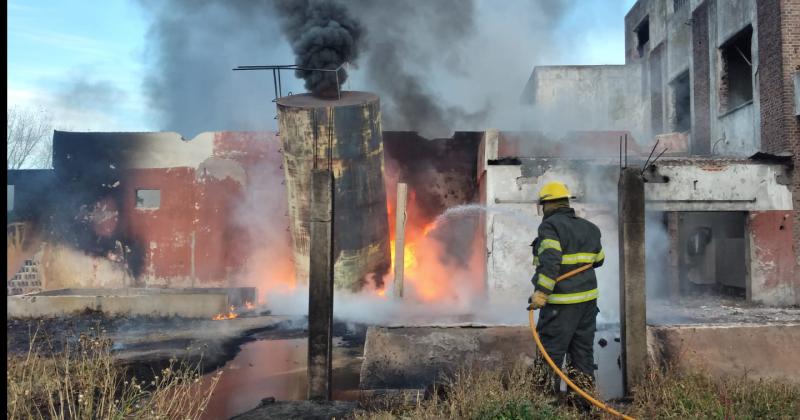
{"x":275,"y":83}
{"x":743,"y":56}
{"x":651,"y":155}
{"x":280,"y":85}
{"x":659,"y":155}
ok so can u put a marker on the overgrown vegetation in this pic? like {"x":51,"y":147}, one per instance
{"x":485,"y":394}
{"x":81,"y":381}
{"x":520,"y":394}
{"x":677,"y":395}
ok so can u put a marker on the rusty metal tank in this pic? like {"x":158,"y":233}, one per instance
{"x":343,"y":134}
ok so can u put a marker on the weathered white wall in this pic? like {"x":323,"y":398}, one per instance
{"x":512,"y":223}
{"x":569,"y":98}
{"x":710,"y":186}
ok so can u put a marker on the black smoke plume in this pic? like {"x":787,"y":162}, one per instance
{"x":408,"y":46}
{"x":323,"y":35}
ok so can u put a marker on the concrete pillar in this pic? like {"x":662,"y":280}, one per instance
{"x":320,"y":286}
{"x":674,"y":275}
{"x":632,"y":269}
{"x":400,"y":238}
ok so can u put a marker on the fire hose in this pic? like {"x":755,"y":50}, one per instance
{"x":557,"y":370}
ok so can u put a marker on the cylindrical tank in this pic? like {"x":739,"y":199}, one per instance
{"x":344,"y":135}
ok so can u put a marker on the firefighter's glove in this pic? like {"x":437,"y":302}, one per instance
{"x":537,"y":300}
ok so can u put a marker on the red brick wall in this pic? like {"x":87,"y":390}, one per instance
{"x":199,"y":209}
{"x":790,"y":30}
{"x":779,"y":58}
{"x":770,"y":64}
{"x":773,"y":263}
{"x":163,"y":233}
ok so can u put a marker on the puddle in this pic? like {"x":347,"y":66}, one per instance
{"x":266,"y":368}
{"x":277,"y":368}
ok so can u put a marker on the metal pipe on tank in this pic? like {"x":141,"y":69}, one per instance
{"x":345,"y":136}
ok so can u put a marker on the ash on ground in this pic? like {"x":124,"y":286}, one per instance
{"x":711,"y":309}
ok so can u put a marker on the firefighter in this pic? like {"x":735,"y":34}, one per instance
{"x":568,"y":308}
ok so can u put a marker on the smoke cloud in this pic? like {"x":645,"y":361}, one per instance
{"x":438,"y":66}
{"x":191,"y":48}
{"x":406,"y":50}
{"x":323,"y":35}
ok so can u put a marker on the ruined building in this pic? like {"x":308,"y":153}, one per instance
{"x":717,"y":83}
{"x":711,"y":84}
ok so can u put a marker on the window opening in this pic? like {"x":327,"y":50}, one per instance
{"x":148,"y":199}
{"x":736,"y":84}
{"x":642,"y":36}
{"x":681,"y":103}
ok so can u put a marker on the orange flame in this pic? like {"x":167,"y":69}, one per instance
{"x":426,"y":277}
{"x":230,"y":315}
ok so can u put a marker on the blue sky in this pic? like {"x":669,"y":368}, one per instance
{"x":84,"y":61}
{"x":52,"y":44}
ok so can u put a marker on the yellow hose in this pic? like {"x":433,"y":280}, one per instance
{"x":557,"y":370}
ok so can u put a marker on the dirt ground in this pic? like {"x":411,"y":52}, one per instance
{"x":716,"y":310}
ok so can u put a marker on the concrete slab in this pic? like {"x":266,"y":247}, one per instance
{"x":415,"y":357}
{"x":188,"y":303}
{"x":237,"y":296}
{"x":759,"y":351}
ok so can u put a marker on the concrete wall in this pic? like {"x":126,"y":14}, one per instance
{"x":509,"y":189}
{"x":735,"y":132}
{"x":97,"y":235}
{"x":719,"y":185}
{"x":586,"y":98}
{"x":756,"y":351}
{"x":511,"y":223}
{"x":677,"y":45}
{"x":190,"y":305}
{"x":415,"y":357}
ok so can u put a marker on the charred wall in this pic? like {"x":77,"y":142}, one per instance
{"x":441,"y":174}
{"x":190,"y":235}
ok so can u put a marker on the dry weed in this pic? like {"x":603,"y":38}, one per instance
{"x":83,"y":382}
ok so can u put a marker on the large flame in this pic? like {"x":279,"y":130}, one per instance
{"x":425,"y":276}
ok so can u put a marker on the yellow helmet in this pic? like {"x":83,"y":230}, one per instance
{"x":553,"y":191}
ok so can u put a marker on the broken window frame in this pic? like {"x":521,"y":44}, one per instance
{"x":738,"y":91}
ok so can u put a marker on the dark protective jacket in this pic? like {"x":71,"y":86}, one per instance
{"x":566,"y":242}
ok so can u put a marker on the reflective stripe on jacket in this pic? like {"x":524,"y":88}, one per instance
{"x":564,"y":243}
